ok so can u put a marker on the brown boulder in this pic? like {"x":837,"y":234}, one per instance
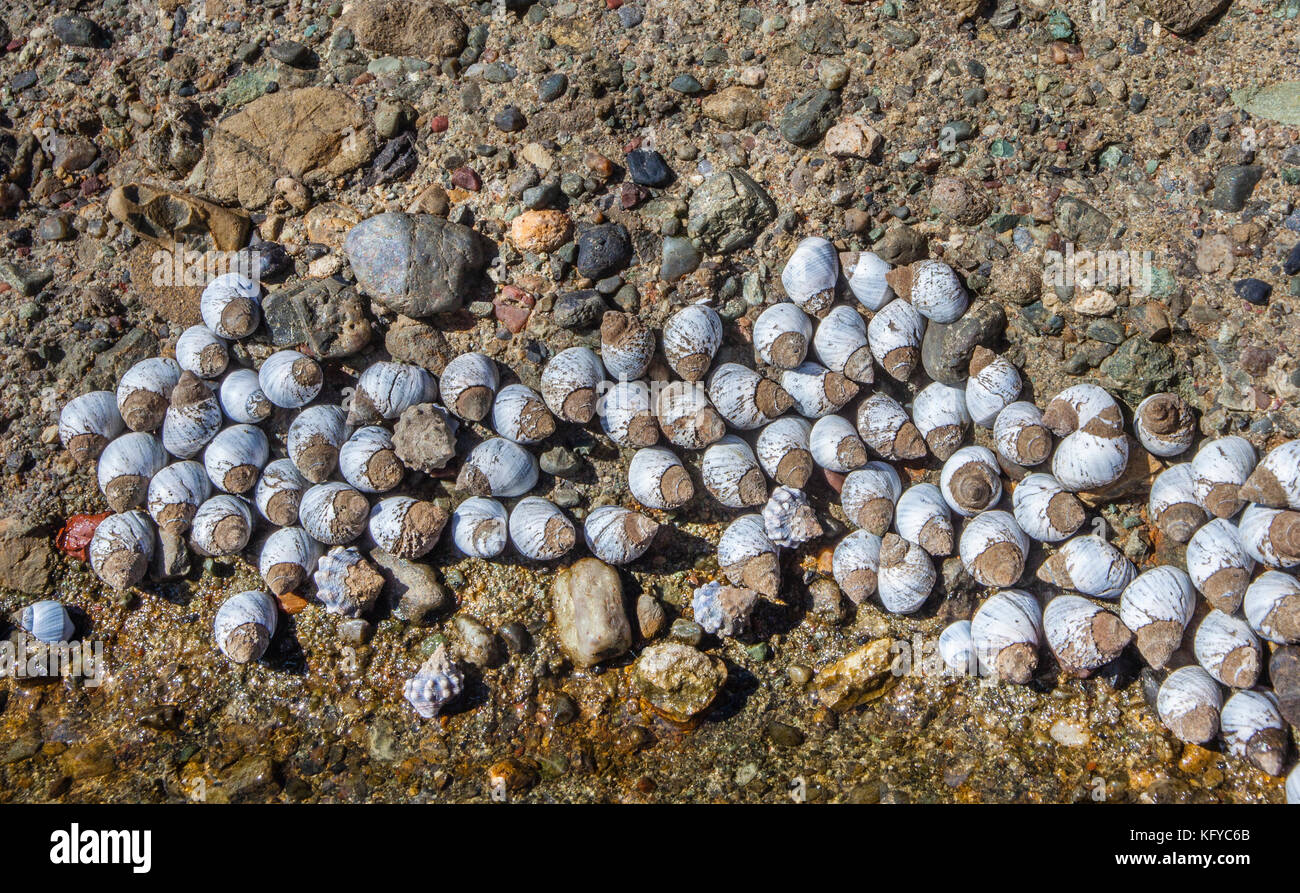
{"x":424,"y":28}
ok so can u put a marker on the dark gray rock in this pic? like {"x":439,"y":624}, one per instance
{"x":552,"y":87}
{"x":578,"y":309}
{"x":946,"y":349}
{"x":806,"y":119}
{"x":1080,"y":222}
{"x":646,"y":167}
{"x":901,"y":245}
{"x":78,"y":31}
{"x":1233,"y":186}
{"x":415,"y":264}
{"x":728,"y":211}
{"x":412,"y":589}
{"x":324,"y":315}
{"x":603,"y":249}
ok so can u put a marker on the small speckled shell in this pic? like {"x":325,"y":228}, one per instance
{"x":279,"y":491}
{"x":816,"y":390}
{"x":1173,"y":505}
{"x":658,"y":479}
{"x":122,"y":547}
{"x":540,"y":529}
{"x":691,"y":337}
{"x":288,"y":559}
{"x":1228,"y":650}
{"x":202,"y":351}
{"x":244,"y":625}
{"x":782,"y":334}
{"x":617,"y":535}
{"x":894,"y":335}
{"x":744,"y":398}
{"x":467,"y":385}
{"x":1220,"y":467}
{"x":1157,"y":606}
{"x":437,"y":683}
{"x":1219,"y":565}
{"x":406,"y":527}
{"x":841,"y":344}
{"x":571,"y":382}
{"x":748,"y":557}
{"x":835,"y":444}
{"x":498,"y":467}
{"x":221,"y":526}
{"x":788,"y":519}
{"x":290,"y":379}
{"x":176,"y":492}
{"x":368,"y":461}
{"x":1090,"y":565}
{"x":1005,"y":632}
{"x":885,"y":427}
{"x":87,"y":424}
{"x":230,"y":306}
{"x":479,"y":527}
{"x":855,"y":564}
{"x":1188,"y":703}
{"x":1020,"y":435}
{"x":868,"y":496}
{"x":970,"y":480}
{"x":811,"y":274}
{"x":346,"y":583}
{"x":144,"y":392}
{"x":1164,"y":424}
{"x":125,"y":467}
{"x":937,"y":293}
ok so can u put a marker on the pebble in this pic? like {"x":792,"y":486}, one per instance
{"x":587,"y":598}
{"x":1291,"y":266}
{"x":686,"y":84}
{"x":646,"y":167}
{"x":552,"y":87}
{"x":678,"y":681}
{"x":603,"y":249}
{"x":78,"y":31}
{"x":1256,"y":291}
{"x":509,"y":120}
{"x":806,"y":119}
{"x":560,"y":461}
{"x":680,"y":258}
{"x":946,"y":349}
{"x":382,"y":249}
{"x":1233,"y":186}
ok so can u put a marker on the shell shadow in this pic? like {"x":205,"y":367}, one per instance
{"x":285,"y":655}
{"x":735,"y":693}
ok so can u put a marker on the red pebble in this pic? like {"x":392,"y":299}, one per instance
{"x":74,"y":538}
{"x":466,"y":179}
{"x":438,"y":123}
{"x":513,"y":307}
{"x":613,"y":4}
{"x":835,"y":479}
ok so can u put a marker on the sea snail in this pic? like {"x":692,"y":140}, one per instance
{"x":885,"y":427}
{"x":193,"y":418}
{"x":923,"y":517}
{"x":175,"y":494}
{"x":1253,"y":729}
{"x":816,"y":390}
{"x":1173,"y":505}
{"x":290,"y":379}
{"x":48,"y":622}
{"x":498,"y":467}
{"x":868,"y":496}
{"x":202,"y":351}
{"x":691,"y":337}
{"x":993,"y":549}
{"x":235,"y":457}
{"x":993,"y":385}
{"x":368,"y":461}
{"x":894,"y":336}
{"x":479,"y":527}
{"x":88,"y":423}
{"x":744,"y":398}
{"x":840,"y":343}
{"x":855,"y":564}
{"x":125,"y":467}
{"x":627,"y":345}
{"x":748,"y":557}
{"x":385,"y":390}
{"x":221,"y":526}
{"x":784,"y":451}
{"x":1157,"y":606}
{"x":1225,"y":646}
{"x":467,"y":385}
{"x":278,"y":492}
{"x":940,"y":415}
{"x":333,"y":513}
{"x":1082,"y":634}
{"x":1005,"y":633}
{"x":788,"y":518}
{"x":1045,"y":510}
{"x":1272,"y":607}
{"x":686,"y":416}
{"x":244,"y":626}
{"x":570,"y":383}
{"x":970,"y":480}
{"x":1090,"y":565}
{"x":242,"y":398}
{"x":658,"y":479}
{"x":437,"y":683}
{"x":1020,"y":435}
{"x":1188,"y":704}
{"x":1164,"y":424}
{"x":144,"y":392}
{"x":811,"y":274}
{"x":935,"y":291}
{"x":782,"y":334}
{"x":1275,"y":482}
{"x":315,"y":437}
{"x":288,"y":559}
{"x":617,"y":535}
{"x":1220,"y":468}
{"x":868,"y":283}
{"x":1271,"y":536}
{"x":122,"y":547}
{"x":346,"y":583}
{"x":1093,"y":452}
{"x":406,"y":527}
{"x":540,"y":529}
{"x":626,"y":415}
{"x":520,"y":414}
{"x":731,"y":473}
{"x":1219,"y":565}
{"x":906,"y":575}
{"x":835,"y":444}
{"x":230,"y":306}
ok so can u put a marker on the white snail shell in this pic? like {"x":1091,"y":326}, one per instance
{"x":1157,"y":606}
{"x":1020,"y":435}
{"x":235,"y":458}
{"x":1219,"y":564}
{"x":478,"y":527}
{"x":744,"y":398}
{"x":922,"y":516}
{"x":242,"y":397}
{"x":175,"y":494}
{"x":122,"y":547}
{"x":939,"y":413}
{"x":437,"y":683}
{"x":1271,"y":536}
{"x":970,"y":480}
{"x":691,"y":337}
{"x":868,"y":496}
{"x":193,"y":418}
{"x":906,"y":575}
{"x":333,"y":513}
{"x":144,"y":392}
{"x":1165,"y":425}
{"x":368,"y":461}
{"x":290,"y":379}
{"x":279,"y":491}
{"x":788,"y":519}
{"x":1005,"y":632}
{"x":894,"y":335}
{"x":816,"y":390}
{"x":1272,"y":607}
{"x":541,"y":530}
{"x":937,"y":293}
{"x":1045,"y":510}
{"x":125,"y":467}
{"x":230,"y":306}
{"x":627,"y":345}
{"x":957,"y":649}
{"x":1082,"y":634}
{"x":571,"y":382}
{"x":1293,"y":786}
{"x":811,"y":274}
{"x":346,"y":583}
{"x":498,"y":467}
{"x":841,"y":344}
{"x":1188,"y":703}
{"x":315,"y":437}
{"x":1173,"y":505}
{"x":885,"y":427}
{"x":48,"y":621}
{"x":993,"y":549}
{"x":1220,"y":467}
{"x":994,"y":384}
{"x":520,"y":414}
{"x":288,"y":559}
{"x":1254,"y":730}
{"x":406,"y":527}
{"x":686,"y":416}
{"x":386,"y":390}
{"x":782,"y":334}
{"x":1275,"y":482}
{"x":244,"y":626}
{"x":87,"y":424}
{"x":1225,"y":646}
{"x":868,"y":283}
{"x":658,"y":479}
{"x":626,"y":415}
{"x":748,"y":557}
{"x":617,"y":535}
{"x":1094,"y":450}
{"x":467,"y":385}
{"x":784,"y":451}
{"x":731,"y":473}
{"x":855,"y":564}
{"x":222,"y":526}
{"x":202,"y":351}
{"x":1090,"y":565}
{"x":835,"y":444}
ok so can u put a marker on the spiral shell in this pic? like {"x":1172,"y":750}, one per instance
{"x":784,"y":451}
{"x":520,"y":414}
{"x":1254,"y":730}
{"x":868,"y":496}
{"x":231,"y":306}
{"x":617,"y":535}
{"x":121,"y":548}
{"x":957,"y":650}
{"x":1045,"y":510}
{"x":922,"y":517}
{"x":855,"y":564}
{"x":498,"y":467}
{"x":816,"y":390}
{"x":541,"y":530}
{"x":125,"y":467}
{"x":841,"y":344}
{"x":571,"y":382}
{"x":279,"y":491}
{"x":686,"y":416}
{"x":346,"y":583}
{"x":835,"y":444}
{"x":731,"y":473}
{"x":175,"y":494}
{"x":479,"y":527}
{"x":290,"y":379}
{"x":437,"y":683}
{"x":626,"y":415}
{"x":47,"y":621}
{"x":202,"y":351}
{"x":1271,"y":536}
{"x":894,"y":336}
{"x":939,"y":414}
{"x":1220,"y":468}
{"x":1272,"y":607}
{"x":1188,"y":703}
{"x":1082,"y":634}
{"x":1094,"y":450}
{"x":658,"y":479}
{"x":1173,"y":505}
{"x":627,"y":345}
{"x":969,"y":480}
{"x":993,"y":549}
{"x":386,"y":390}
{"x":1275,"y":482}
{"x":467,"y":385}
{"x":782,"y":334}
{"x":936,"y":292}
{"x":788,"y":519}
{"x":1020,"y":435}
{"x":1005,"y":633}
{"x":811,"y":274}
{"x":315,"y":437}
{"x":235,"y":457}
{"x":1165,"y":425}
{"x":288,"y":559}
{"x":244,"y":626}
{"x":1219,"y":565}
{"x":744,"y":398}
{"x":885,"y":427}
{"x":906,"y":575}
{"x":144,"y":392}
{"x":88,"y":423}
{"x":868,"y":283}
{"x":1090,"y":565}
{"x":368,"y":460}
{"x":333,"y":513}
{"x":222,"y":526}
{"x":723,"y":610}
{"x":748,"y":557}
{"x":242,"y":398}
{"x":994,"y":384}
{"x":193,"y":418}
{"x":406,"y":527}
{"x":1157,"y":606}
{"x":691,"y":337}
{"x":1225,"y":646}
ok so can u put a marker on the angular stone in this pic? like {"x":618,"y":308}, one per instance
{"x":807,"y":118}
{"x":1183,"y":16}
{"x":946,"y":349}
{"x":859,"y":677}
{"x":424,"y":28}
{"x":578,"y":309}
{"x":678,"y":681}
{"x":415,"y":264}
{"x":853,"y":137}
{"x":170,"y":218}
{"x":603,"y":249}
{"x":324,"y":316}
{"x":728,"y":211}
{"x":26,"y":563}
{"x":1080,"y":222}
{"x":735,"y":107}
{"x":1233,"y":186}
{"x":592,"y":623}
